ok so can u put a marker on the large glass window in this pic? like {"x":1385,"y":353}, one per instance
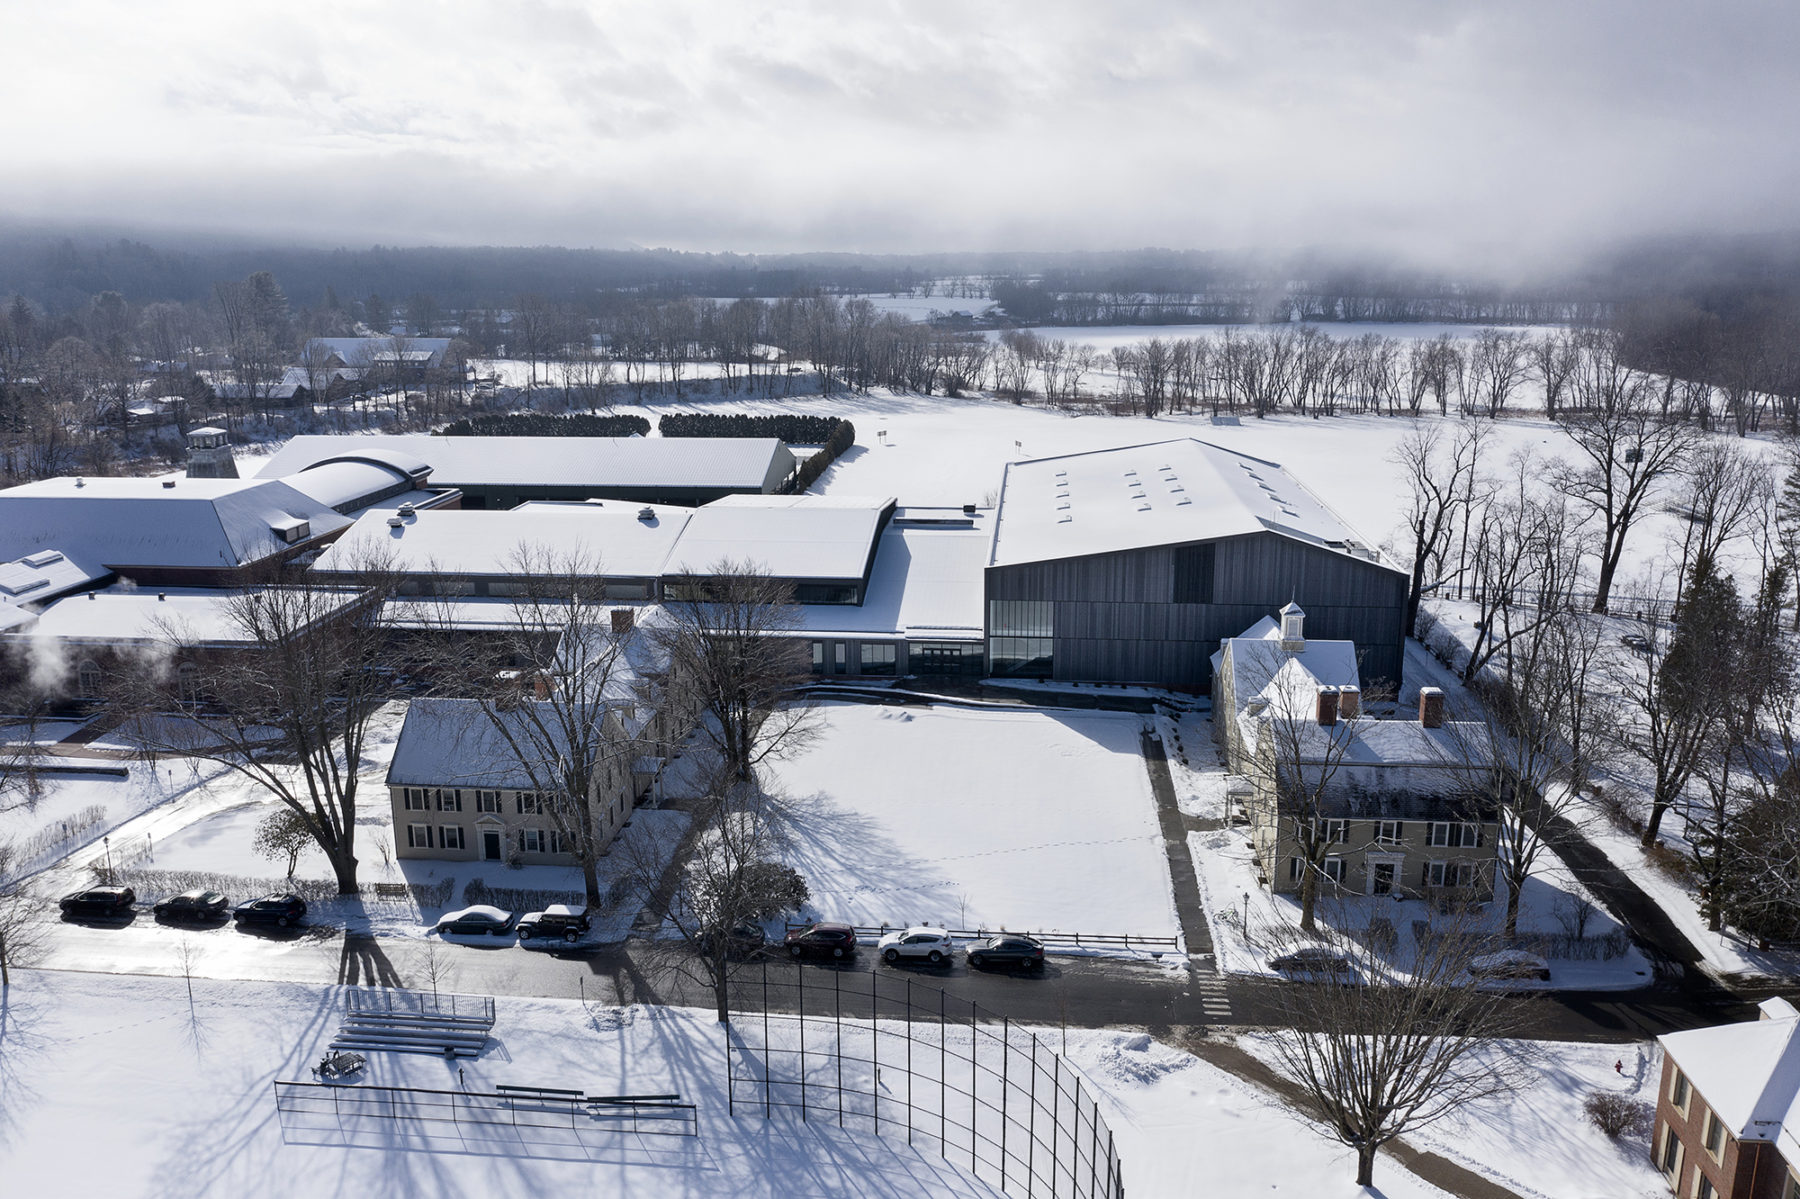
{"x":824,"y":593}
{"x":945,"y":657}
{"x":878,"y":658}
{"x":1021,"y":637}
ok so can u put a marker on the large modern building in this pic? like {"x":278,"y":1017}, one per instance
{"x":1131,"y":565}
{"x":502,"y":472}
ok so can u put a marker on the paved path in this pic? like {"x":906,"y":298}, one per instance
{"x":1181,"y":863}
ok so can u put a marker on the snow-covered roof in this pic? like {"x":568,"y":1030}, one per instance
{"x":130,"y":522}
{"x":44,"y":575}
{"x":608,"y":535}
{"x":455,"y":743}
{"x":362,"y":351}
{"x":170,"y":616}
{"x":348,"y":486}
{"x":926,"y":583}
{"x":1256,"y":659}
{"x":1748,"y":1073}
{"x":1162,"y":493}
{"x":787,"y":536}
{"x":740,"y":462}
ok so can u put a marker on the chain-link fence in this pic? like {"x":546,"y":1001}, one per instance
{"x":875,"y":1051}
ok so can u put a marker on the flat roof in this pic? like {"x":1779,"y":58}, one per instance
{"x":44,"y":575}
{"x":787,"y":536}
{"x":741,"y":462}
{"x":171,"y":615}
{"x":606,"y":535}
{"x":926,"y":584}
{"x":1160,"y":493}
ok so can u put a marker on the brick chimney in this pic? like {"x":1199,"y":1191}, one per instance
{"x":1431,"y":707}
{"x":1328,"y":706}
{"x":1349,"y":703}
{"x":622,"y":620}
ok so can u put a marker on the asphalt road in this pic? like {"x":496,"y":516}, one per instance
{"x":1078,"y":991}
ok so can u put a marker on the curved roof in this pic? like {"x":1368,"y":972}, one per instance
{"x":349,"y":483}
{"x":414,"y":468}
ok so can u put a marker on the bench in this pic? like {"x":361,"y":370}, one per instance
{"x":392,"y":890}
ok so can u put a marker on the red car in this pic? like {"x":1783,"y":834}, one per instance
{"x":826,"y":939}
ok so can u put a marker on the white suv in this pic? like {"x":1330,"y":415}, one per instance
{"x":932,"y":944}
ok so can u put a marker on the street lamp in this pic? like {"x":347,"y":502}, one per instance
{"x":107,"y":842}
{"x":1246,"y":918}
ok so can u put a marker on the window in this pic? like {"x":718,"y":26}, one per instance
{"x":1296,"y":868}
{"x":88,"y":679}
{"x":1021,"y":637}
{"x":187,"y":681}
{"x":530,"y":802}
{"x":1671,"y":1151}
{"x":487,"y":801}
{"x":1388,"y":832}
{"x":627,"y":591}
{"x":418,"y":836}
{"x":878,"y":658}
{"x":818,"y":657}
{"x":825,"y":593}
{"x":1450,"y":874}
{"x":1714,"y":1136}
{"x":1679,"y":1091}
{"x":963,"y":658}
{"x":1455,"y":836}
{"x":1791,"y":1190}
{"x":1703,"y":1187}
{"x":415,"y":799}
{"x":1194,"y":574}
{"x":1330,"y":831}
{"x":531,"y":840}
{"x":559,"y":843}
{"x":449,"y":801}
{"x":450,"y":836}
{"x":1334,"y":868}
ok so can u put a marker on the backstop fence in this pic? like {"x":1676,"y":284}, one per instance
{"x":873,"y":1050}
{"x":316,"y":1107}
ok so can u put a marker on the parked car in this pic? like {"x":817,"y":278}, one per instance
{"x":1636,"y":642}
{"x":99,"y":901}
{"x":1314,"y":959}
{"x":557,"y":920}
{"x":932,"y":944}
{"x":193,"y":905}
{"x":279,"y":910}
{"x":827,"y":939}
{"x":741,"y":941}
{"x":1009,"y":950}
{"x":1510,"y":963}
{"x":480,"y":918}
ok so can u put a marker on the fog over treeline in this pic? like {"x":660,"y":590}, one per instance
{"x":61,"y":271}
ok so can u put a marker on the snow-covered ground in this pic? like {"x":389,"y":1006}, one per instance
{"x":1536,"y":1140}
{"x":1031,"y":820}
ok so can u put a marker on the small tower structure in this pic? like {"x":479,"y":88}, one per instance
{"x":1293,"y":623}
{"x":209,"y":454}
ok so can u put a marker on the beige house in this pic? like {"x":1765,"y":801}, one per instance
{"x":472,"y":781}
{"x":1404,"y":804}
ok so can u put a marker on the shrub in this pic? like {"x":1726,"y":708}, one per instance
{"x":518,"y":899}
{"x":796,"y":430}
{"x":538,"y":424}
{"x":1615,"y":1114}
{"x":840,"y":440}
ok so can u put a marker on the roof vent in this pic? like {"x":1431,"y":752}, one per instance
{"x":396,"y":522}
{"x":81,"y":482}
{"x":646,"y":513}
{"x":406,"y":509}
{"x":168,"y":483}
{"x":92,"y":595}
{"x":968,"y":509}
{"x":161,"y":596}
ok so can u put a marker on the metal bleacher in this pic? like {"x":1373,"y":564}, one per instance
{"x":388,"y":1021}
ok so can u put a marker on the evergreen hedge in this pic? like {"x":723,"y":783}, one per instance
{"x":540,"y":424}
{"x":795,"y":430}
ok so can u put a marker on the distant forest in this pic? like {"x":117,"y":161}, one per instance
{"x":62,"y":273}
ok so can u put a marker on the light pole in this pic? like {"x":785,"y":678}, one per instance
{"x":107,"y":842}
{"x":1246,"y":918}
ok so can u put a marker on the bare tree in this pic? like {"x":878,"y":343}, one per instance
{"x":733,"y":642}
{"x":21,"y":916}
{"x":1623,"y":455}
{"x":1378,"y":1061}
{"x":581,"y":696}
{"x":1725,"y":490}
{"x":290,"y":715}
{"x":732,"y":877}
{"x":1439,"y":470}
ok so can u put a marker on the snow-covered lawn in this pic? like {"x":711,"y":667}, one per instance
{"x":1536,"y":1139}
{"x":115,"y":1086}
{"x":1031,"y":820}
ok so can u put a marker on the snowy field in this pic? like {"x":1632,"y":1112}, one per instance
{"x":1107,"y":337}
{"x":180,"y":1097}
{"x":967,"y":818}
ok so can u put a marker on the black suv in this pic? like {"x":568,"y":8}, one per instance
{"x":279,"y":910}
{"x":557,"y":920}
{"x":1008,"y":950}
{"x":827,"y":939}
{"x":193,"y":905}
{"x":99,"y":901}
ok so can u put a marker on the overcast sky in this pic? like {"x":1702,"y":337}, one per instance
{"x":1498,"y":129}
